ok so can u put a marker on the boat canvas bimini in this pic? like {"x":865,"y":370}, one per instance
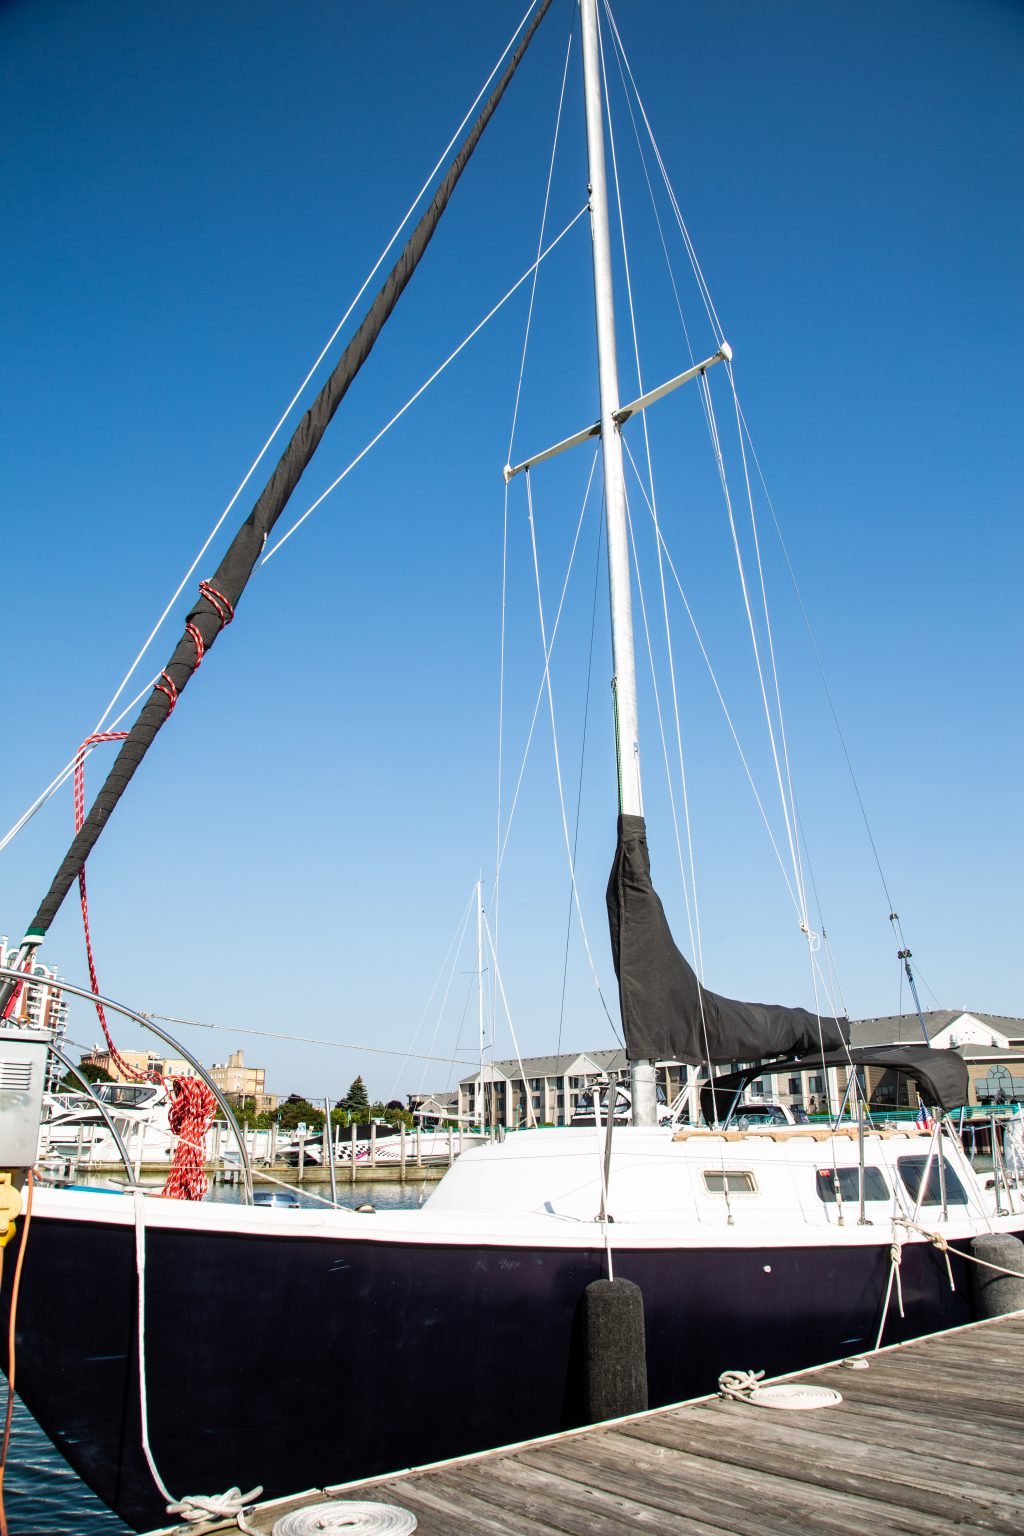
{"x":769,"y":1247}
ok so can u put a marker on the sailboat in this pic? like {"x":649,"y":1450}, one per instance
{"x":762,"y":1248}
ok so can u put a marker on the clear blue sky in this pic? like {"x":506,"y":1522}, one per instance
{"x":193,"y":194}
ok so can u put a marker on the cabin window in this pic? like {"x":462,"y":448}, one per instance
{"x":128,"y":1095}
{"x":740,"y":1181}
{"x":912,"y":1172}
{"x":875,"y":1187}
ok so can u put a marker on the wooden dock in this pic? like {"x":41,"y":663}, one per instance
{"x":928,"y":1440}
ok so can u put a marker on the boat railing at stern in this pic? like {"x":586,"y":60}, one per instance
{"x":142,"y":1019}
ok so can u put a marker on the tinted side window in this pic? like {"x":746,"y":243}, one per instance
{"x":875,"y":1187}
{"x":912,"y":1172}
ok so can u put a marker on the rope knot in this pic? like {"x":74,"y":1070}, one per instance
{"x":196,"y":1507}
{"x":738,"y":1384}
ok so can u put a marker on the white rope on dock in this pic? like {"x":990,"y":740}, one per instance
{"x":200,"y":1507}
{"x":363,"y":1517}
{"x":739,"y":1384}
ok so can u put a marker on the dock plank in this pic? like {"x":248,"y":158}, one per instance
{"x":815,"y":1459}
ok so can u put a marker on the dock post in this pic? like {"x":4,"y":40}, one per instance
{"x":451,"y":1146}
{"x":401,"y":1149}
{"x":329,"y":1149}
{"x":352,"y":1136}
{"x":419,"y":1146}
{"x":373,"y":1143}
{"x":302,"y":1155}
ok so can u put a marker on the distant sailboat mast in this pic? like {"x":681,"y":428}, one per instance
{"x":623,"y":660}
{"x":480,"y":997}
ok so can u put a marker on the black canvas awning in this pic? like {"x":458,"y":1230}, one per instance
{"x":940,"y":1077}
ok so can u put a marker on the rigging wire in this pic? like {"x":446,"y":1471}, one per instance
{"x":422,"y":389}
{"x":771,"y":641}
{"x":668,"y":774}
{"x":511,"y":440}
{"x":692,"y":918}
{"x":512,"y":1029}
{"x":452,"y":953}
{"x":718,"y":690}
{"x":752,"y":628}
{"x":650,"y":190}
{"x":540,"y":687}
{"x":540,"y":237}
{"x":68,"y":769}
{"x":558,"y":766}
{"x":323,"y":353}
{"x":789,"y":811}
{"x":579,"y":788}
{"x":276,"y":1034}
{"x":705,"y":291}
{"x":824,"y":683}
{"x":625,"y":70}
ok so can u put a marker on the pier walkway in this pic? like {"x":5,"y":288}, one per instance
{"x":928,"y":1440}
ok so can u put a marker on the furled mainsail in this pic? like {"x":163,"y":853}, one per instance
{"x":666,"y":1014}
{"x":211,"y":612}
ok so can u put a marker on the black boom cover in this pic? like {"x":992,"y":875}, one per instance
{"x":666,"y":1013}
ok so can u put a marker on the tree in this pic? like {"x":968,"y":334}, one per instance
{"x":298,"y":1111}
{"x":357,"y":1096}
{"x":91,"y":1073}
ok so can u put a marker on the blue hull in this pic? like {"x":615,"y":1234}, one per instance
{"x":302,"y":1361}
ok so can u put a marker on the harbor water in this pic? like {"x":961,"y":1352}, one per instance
{"x":44,"y":1497}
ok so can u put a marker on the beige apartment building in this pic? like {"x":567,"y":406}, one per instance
{"x":244,"y":1086}
{"x":146,"y":1063}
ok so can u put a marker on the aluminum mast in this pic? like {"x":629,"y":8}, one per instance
{"x":623,"y":661}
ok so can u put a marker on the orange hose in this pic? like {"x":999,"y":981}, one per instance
{"x":4,"y":1446}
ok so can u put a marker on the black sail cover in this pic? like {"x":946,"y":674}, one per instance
{"x":666,"y":1014}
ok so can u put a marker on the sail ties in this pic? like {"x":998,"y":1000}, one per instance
{"x":225,"y":612}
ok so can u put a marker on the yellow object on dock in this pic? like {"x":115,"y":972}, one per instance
{"x":10,"y":1207}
